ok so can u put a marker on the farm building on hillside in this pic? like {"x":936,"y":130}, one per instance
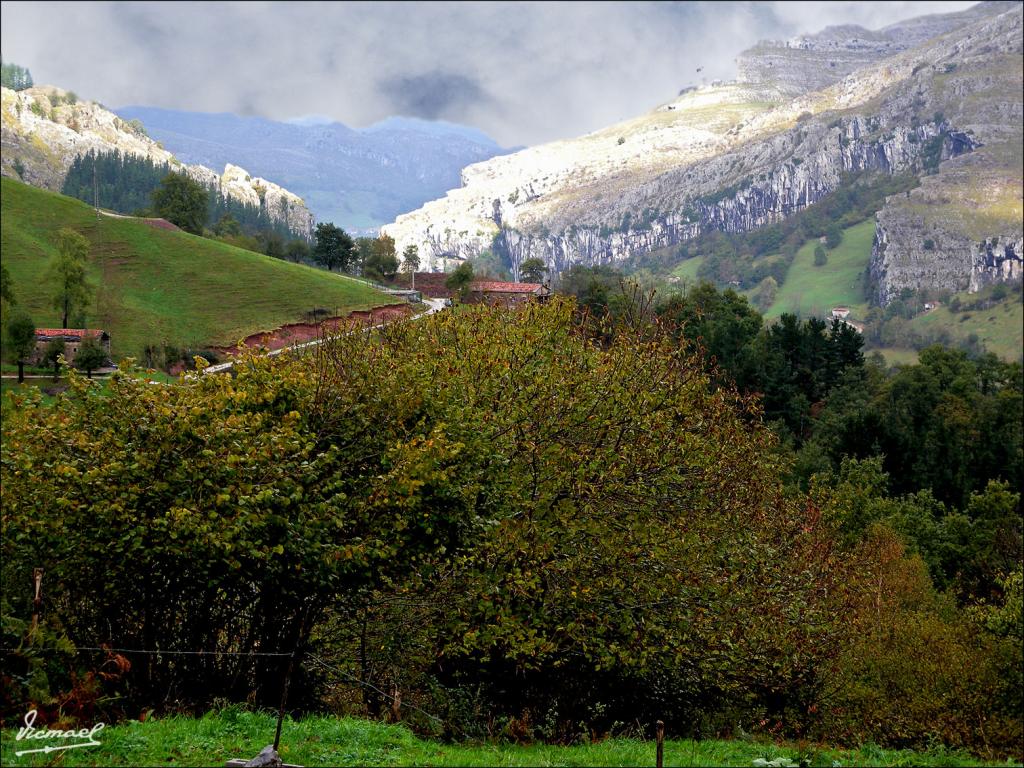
{"x":72,"y":338}
{"x":497,"y":292}
{"x":493,"y":292}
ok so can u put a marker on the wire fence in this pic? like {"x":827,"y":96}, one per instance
{"x":278,"y":654}
{"x":318,"y":662}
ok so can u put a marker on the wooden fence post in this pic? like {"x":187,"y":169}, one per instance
{"x":37,"y":582}
{"x":660,"y":737}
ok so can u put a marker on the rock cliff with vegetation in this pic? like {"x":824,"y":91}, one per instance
{"x":46,"y":128}
{"x":938,"y":98}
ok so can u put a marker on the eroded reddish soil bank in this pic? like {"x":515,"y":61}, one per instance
{"x":297,"y":333}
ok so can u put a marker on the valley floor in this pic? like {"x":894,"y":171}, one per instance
{"x":312,"y":741}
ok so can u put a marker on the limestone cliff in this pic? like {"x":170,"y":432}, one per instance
{"x":938,"y":96}
{"x":45,"y":128}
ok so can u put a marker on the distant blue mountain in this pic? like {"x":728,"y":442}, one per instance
{"x":437,"y":128}
{"x":359,"y":179}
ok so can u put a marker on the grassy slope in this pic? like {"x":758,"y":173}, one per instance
{"x":347,"y":741}
{"x":810,"y":290}
{"x":158,"y":286}
{"x":687,"y":270}
{"x":1001,"y":327}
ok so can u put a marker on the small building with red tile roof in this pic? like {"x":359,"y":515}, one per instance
{"x":501,"y":293}
{"x":494,"y":292}
{"x":72,"y":338}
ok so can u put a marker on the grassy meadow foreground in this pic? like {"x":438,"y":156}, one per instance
{"x":154,"y":286}
{"x":312,"y":741}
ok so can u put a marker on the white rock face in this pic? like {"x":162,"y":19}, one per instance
{"x":42,"y":134}
{"x":738,"y":156}
{"x":595,"y":179}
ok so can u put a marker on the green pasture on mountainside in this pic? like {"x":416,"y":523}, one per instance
{"x":686,"y":271}
{"x":810,"y":290}
{"x":813,"y":291}
{"x":164,"y":287}
{"x":1000,"y":327}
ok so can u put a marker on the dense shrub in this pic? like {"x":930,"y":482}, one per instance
{"x":260,"y":491}
{"x":532,"y":531}
{"x":647,"y":560}
{"x":912,"y":670}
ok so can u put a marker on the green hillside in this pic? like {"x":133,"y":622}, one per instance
{"x":156,"y":286}
{"x":687,"y":270}
{"x":810,"y":290}
{"x":1000,"y":327}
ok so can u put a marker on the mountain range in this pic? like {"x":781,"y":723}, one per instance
{"x":936,"y":99}
{"x":357,"y":179}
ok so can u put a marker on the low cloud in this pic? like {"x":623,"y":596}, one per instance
{"x":522,"y":72}
{"x":435,"y":95}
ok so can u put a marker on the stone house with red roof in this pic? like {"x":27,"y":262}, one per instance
{"x":500,"y":293}
{"x":72,"y":340}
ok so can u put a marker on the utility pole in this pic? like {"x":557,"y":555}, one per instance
{"x":95,"y":188}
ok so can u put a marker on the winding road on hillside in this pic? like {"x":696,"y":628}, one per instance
{"x":435,"y":305}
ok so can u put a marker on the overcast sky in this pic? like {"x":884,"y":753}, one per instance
{"x":522,"y":72}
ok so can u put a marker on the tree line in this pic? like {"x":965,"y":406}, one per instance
{"x":16,"y":77}
{"x":138,"y":186}
{"x":372,"y":257}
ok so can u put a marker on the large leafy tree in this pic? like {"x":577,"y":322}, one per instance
{"x":720,"y":323}
{"x":52,"y":354}
{"x":382,"y":262}
{"x":71,"y":290}
{"x":297,"y":251}
{"x":91,"y":355}
{"x":533,"y":270}
{"x":459,"y":281}
{"x":334,"y":248}
{"x":182,"y":201}
{"x":21,"y":341}
{"x":364,"y":247}
{"x":593,"y":287}
{"x":269,"y":489}
{"x":411,"y":259}
{"x":643,"y":541}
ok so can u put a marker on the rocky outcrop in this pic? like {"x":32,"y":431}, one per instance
{"x":997,"y":260}
{"x":811,"y":62}
{"x":45,"y":128}
{"x":908,"y":253}
{"x":278,"y":202}
{"x":812,"y":162}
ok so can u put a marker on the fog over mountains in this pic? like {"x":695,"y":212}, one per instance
{"x":936,"y":98}
{"x":359,"y":179}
